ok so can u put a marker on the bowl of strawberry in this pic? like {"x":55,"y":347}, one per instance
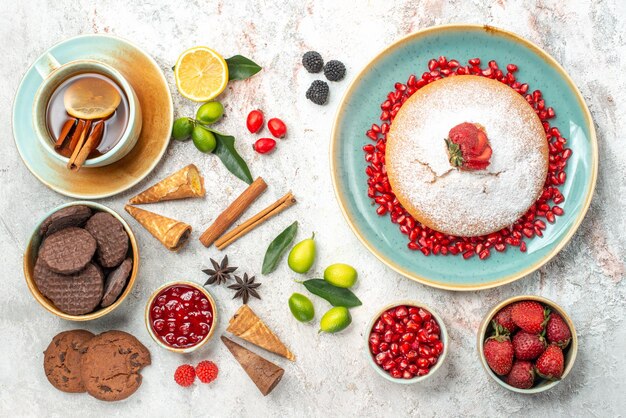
{"x":407,"y":342}
{"x":527,"y":344}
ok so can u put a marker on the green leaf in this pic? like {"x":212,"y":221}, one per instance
{"x":226,"y":152}
{"x":337,"y":296}
{"x":277,"y":248}
{"x":240,"y":68}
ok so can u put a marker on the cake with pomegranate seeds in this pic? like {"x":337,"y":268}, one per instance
{"x":466,"y":155}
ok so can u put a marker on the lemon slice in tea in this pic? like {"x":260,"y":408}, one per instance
{"x":201,"y":74}
{"x":91,"y":98}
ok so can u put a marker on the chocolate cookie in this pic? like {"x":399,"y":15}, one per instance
{"x":110,"y":367}
{"x":111,"y":237}
{"x":61,"y":360}
{"x":75,"y":215}
{"x":115,"y":282}
{"x":67,"y":251}
{"x":75,"y":294}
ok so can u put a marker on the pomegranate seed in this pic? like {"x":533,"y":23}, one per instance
{"x":557,"y":211}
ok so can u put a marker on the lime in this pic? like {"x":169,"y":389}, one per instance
{"x":302,"y":256}
{"x":335,"y":320}
{"x":301,"y":307}
{"x":340,"y":275}
{"x":210,"y":112}
{"x":203,"y":139}
{"x":182,"y":129}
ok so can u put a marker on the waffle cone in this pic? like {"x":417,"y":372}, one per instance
{"x":172,"y":233}
{"x":263,"y":373}
{"x":247,"y":326}
{"x":186,"y":182}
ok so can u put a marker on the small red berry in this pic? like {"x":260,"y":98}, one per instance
{"x":503,"y":318}
{"x":206,"y":371}
{"x":277,"y":127}
{"x":529,"y":316}
{"x":185,"y":375}
{"x":558,"y":331}
{"x":264,"y":145}
{"x":550,"y":364}
{"x":254,"y":121}
{"x":522,"y":375}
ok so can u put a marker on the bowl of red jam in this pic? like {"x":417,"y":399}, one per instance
{"x":181,"y":316}
{"x":407,"y":342}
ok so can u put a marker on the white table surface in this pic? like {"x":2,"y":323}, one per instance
{"x":331,"y":376}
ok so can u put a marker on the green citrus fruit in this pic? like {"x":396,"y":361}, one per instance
{"x":203,"y":139}
{"x":301,"y":307}
{"x":302,"y":255}
{"x":181,"y":131}
{"x":210,"y":112}
{"x":340,"y":275}
{"x":335,"y":320}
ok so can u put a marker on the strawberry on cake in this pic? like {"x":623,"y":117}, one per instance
{"x":466,"y":155}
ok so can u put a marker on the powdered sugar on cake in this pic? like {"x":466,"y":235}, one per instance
{"x":459,"y":202}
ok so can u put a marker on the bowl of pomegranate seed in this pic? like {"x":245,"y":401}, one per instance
{"x":407,"y":342}
{"x":527,"y":344}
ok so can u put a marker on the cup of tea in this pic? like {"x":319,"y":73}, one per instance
{"x":85,"y":113}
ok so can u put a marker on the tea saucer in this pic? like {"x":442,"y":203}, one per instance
{"x":149,"y":83}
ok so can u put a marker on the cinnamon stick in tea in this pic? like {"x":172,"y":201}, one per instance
{"x":79,"y":144}
{"x":80,"y":127}
{"x":65,"y":132}
{"x":233,"y":212}
{"x":272,"y":210}
{"x":92,"y":142}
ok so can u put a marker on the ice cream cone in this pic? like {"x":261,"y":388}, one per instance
{"x":263,"y":373}
{"x":247,"y":326}
{"x":172,"y":233}
{"x":186,"y":182}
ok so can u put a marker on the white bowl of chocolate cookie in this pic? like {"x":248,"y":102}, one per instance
{"x":81,"y":261}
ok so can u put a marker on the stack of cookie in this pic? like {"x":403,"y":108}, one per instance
{"x":106,"y":366}
{"x":83,"y":262}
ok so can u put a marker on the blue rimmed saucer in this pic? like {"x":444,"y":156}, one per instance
{"x":361,"y":105}
{"x":151,"y":88}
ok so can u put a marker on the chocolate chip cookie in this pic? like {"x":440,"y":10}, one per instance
{"x":111,"y":237}
{"x":111,"y":364}
{"x":115,"y":282}
{"x":67,"y":251}
{"x":75,"y":215}
{"x":62,"y":360}
{"x":75,"y":294}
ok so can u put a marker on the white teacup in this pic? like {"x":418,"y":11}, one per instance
{"x":54,"y":74}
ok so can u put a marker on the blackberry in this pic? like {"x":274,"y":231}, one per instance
{"x":334,"y":70}
{"x":318,"y":92}
{"x":313,"y":61}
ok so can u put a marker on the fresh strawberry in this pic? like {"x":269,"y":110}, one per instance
{"x":503,"y":319}
{"x":550,"y":364}
{"x":558,"y":331}
{"x":498,"y":352}
{"x":528,"y":346}
{"x":468,"y":147}
{"x":522,"y":375}
{"x":529,"y":316}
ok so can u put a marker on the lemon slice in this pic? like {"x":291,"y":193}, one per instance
{"x":91,"y":98}
{"x":201,"y":74}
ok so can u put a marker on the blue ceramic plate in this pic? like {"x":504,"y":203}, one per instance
{"x":360,"y":107}
{"x":146,"y":78}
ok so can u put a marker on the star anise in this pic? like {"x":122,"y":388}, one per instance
{"x":245,"y":287}
{"x":220,"y":273}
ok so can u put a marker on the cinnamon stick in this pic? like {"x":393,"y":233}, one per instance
{"x":233,"y":212}
{"x":79,"y":144}
{"x":65,"y":131}
{"x":92,"y":142}
{"x":272,"y":210}
{"x":80,"y":127}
